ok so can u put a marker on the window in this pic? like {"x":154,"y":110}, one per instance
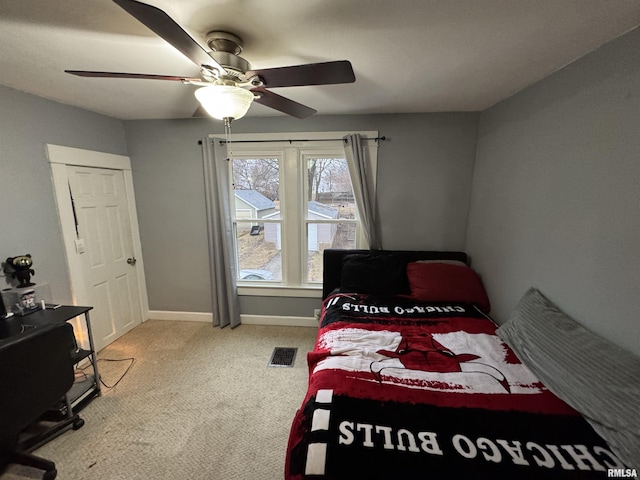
{"x":292,"y":200}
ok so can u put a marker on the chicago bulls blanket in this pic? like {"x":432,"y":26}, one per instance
{"x":402,"y":389}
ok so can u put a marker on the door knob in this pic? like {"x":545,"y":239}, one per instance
{"x":131,"y":261}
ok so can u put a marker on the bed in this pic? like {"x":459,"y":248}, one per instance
{"x":408,"y":379}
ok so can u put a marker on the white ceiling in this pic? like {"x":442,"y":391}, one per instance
{"x":408,"y":55}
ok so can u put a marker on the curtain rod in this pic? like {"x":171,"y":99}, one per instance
{"x":222,"y":142}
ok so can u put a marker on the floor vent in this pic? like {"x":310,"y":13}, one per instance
{"x":283,"y":357}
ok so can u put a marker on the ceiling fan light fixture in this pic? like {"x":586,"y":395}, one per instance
{"x":224,"y":101}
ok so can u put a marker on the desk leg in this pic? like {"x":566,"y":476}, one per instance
{"x":68,"y":405}
{"x":94,"y":359}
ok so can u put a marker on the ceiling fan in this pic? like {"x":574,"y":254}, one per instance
{"x":227,"y":83}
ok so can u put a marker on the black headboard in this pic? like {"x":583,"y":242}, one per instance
{"x":332,"y":262}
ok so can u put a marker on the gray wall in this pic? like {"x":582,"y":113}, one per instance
{"x":28,"y":215}
{"x":427,"y":160}
{"x":556,"y":193}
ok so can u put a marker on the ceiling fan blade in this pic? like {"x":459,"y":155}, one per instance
{"x":200,"y":112}
{"x":282,"y":104}
{"x":165,"y":27}
{"x":325,"y":73}
{"x":144,"y":76}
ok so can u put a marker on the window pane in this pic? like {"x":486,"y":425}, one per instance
{"x":329,"y":192}
{"x":326,"y":235}
{"x":259,"y":251}
{"x":256,"y":187}
{"x":257,"y":196}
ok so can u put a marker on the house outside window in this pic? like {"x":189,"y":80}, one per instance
{"x":292,"y":200}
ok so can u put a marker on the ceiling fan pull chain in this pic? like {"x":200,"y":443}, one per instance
{"x":227,"y":136}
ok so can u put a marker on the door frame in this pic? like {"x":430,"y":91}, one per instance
{"x":59,"y":158}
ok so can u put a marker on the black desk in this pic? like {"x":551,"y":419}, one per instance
{"x":50,"y":315}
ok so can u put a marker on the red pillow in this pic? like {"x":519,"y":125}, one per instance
{"x":441,"y":282}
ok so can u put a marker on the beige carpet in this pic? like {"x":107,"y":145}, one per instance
{"x":199,"y":403}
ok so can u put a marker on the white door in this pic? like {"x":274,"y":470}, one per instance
{"x":104,"y":243}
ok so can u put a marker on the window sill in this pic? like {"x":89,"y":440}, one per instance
{"x":280,"y":291}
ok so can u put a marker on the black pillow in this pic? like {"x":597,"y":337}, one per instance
{"x":374,"y":273}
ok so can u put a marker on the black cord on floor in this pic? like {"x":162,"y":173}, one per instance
{"x":130,"y":359}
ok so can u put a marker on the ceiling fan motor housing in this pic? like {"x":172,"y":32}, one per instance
{"x":225,"y":49}
{"x":224,"y":42}
{"x":234,"y":65}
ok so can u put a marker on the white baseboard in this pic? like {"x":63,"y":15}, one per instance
{"x":285,"y":321}
{"x":279,"y":320}
{"x":185,"y":316}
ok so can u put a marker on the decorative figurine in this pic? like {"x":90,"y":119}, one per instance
{"x":21,"y":266}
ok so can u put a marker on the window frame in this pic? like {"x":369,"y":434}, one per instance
{"x":293,"y":154}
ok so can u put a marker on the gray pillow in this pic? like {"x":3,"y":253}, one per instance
{"x":598,"y":379}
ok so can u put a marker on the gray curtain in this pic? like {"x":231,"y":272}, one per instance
{"x":362,"y":187}
{"x":224,"y":292}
